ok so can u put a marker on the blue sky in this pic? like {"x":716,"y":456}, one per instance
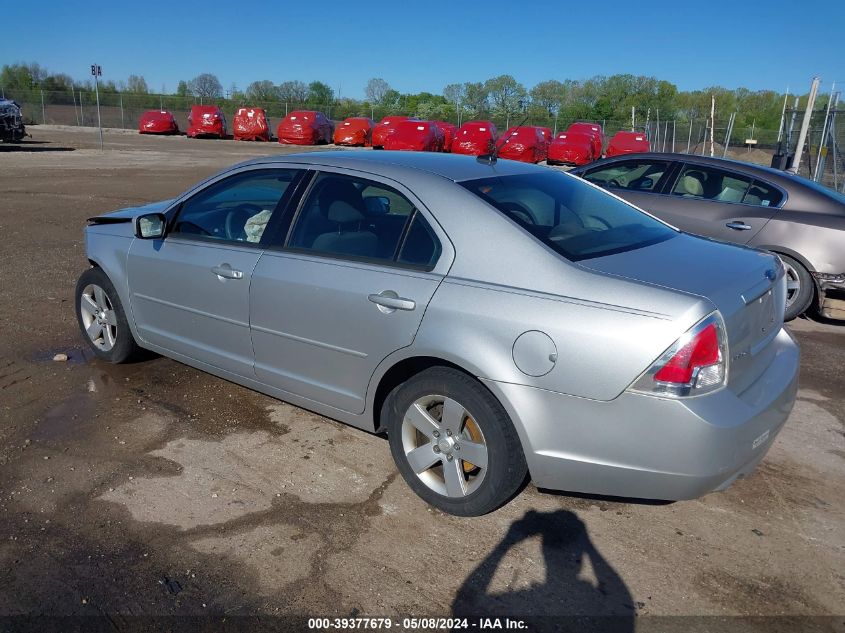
{"x":426,"y":45}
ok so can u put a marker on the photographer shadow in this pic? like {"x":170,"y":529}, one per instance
{"x":565,"y":596}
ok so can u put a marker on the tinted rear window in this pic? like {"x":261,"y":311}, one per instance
{"x":575,"y":219}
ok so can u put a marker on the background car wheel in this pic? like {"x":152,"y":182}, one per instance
{"x":799,"y":288}
{"x":102,"y":319}
{"x":453,"y":442}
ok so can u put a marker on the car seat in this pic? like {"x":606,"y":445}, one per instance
{"x":690,"y":185}
{"x":342,"y":209}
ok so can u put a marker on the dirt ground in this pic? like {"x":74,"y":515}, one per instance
{"x":155,"y":489}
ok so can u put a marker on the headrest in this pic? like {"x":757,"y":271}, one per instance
{"x":343,"y":212}
{"x":691,"y":185}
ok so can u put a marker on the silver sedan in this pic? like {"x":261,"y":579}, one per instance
{"x":497,"y":320}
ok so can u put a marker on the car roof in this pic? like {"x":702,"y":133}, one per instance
{"x":799,"y":189}
{"x":396,"y":164}
{"x":727,"y":163}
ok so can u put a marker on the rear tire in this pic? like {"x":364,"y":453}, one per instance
{"x":799,"y":288}
{"x":440,"y":419}
{"x":102,"y":319}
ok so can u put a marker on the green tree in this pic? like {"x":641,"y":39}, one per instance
{"x":507,"y":95}
{"x":320,"y":94}
{"x":476,"y":95}
{"x":549,"y":95}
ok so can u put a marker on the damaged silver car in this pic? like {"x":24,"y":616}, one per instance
{"x":12,"y":128}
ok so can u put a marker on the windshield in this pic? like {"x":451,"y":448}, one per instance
{"x":575,"y":219}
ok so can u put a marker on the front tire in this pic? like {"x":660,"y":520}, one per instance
{"x":102,"y":319}
{"x":453,"y":442}
{"x":799,"y":288}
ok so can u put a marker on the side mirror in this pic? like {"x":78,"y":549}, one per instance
{"x":150,"y":226}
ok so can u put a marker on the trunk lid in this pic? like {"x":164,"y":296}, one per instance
{"x":747,"y":286}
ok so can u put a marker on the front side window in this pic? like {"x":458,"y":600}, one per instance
{"x":354,"y":217}
{"x":576,"y":220}
{"x":637,"y":175}
{"x":236,"y":209}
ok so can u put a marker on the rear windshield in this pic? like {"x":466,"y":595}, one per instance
{"x":577,"y":220}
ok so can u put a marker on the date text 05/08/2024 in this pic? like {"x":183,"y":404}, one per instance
{"x":416,"y":623}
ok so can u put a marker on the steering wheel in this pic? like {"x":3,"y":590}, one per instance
{"x":614,"y":183}
{"x":517,"y":212}
{"x":236,"y":220}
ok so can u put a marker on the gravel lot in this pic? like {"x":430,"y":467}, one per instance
{"x":154,"y":489}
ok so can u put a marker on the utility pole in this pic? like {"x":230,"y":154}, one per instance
{"x":805,"y":126}
{"x":782,"y":115}
{"x":97,"y":71}
{"x":712,"y":123}
{"x":828,"y":135}
{"x":822,"y":143}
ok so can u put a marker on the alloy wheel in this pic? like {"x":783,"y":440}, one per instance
{"x":793,"y":284}
{"x":444,"y":446}
{"x":98,"y":317}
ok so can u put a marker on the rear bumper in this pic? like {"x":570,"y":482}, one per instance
{"x":648,"y":447}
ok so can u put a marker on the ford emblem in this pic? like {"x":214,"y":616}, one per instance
{"x":771,"y":274}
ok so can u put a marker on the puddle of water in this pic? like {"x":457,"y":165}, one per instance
{"x":76,"y":355}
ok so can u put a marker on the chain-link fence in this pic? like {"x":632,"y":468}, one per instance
{"x":823,"y":158}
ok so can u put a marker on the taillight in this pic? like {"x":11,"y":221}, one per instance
{"x":695,"y":364}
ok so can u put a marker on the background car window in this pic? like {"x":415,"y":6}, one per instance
{"x":584,"y":222}
{"x":421,"y":247}
{"x":638,"y":175}
{"x":763,"y":195}
{"x":697,"y":181}
{"x":236,"y":209}
{"x":344,"y":215}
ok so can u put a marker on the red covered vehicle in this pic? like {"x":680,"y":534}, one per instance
{"x":524,"y":143}
{"x":547,"y":134}
{"x":385,"y":128}
{"x":356,"y":130}
{"x":415,"y":136}
{"x":206,"y":120}
{"x":475,"y":138}
{"x":305,"y":127}
{"x":571,"y":148}
{"x":449,"y":132}
{"x":157,"y":122}
{"x":627,"y":143}
{"x":250,"y":124}
{"x":593,"y":130}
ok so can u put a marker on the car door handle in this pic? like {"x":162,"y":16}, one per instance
{"x":227,"y":272}
{"x":738,"y":225}
{"x":392,"y":301}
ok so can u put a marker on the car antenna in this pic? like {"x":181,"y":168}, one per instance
{"x":492,"y":157}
